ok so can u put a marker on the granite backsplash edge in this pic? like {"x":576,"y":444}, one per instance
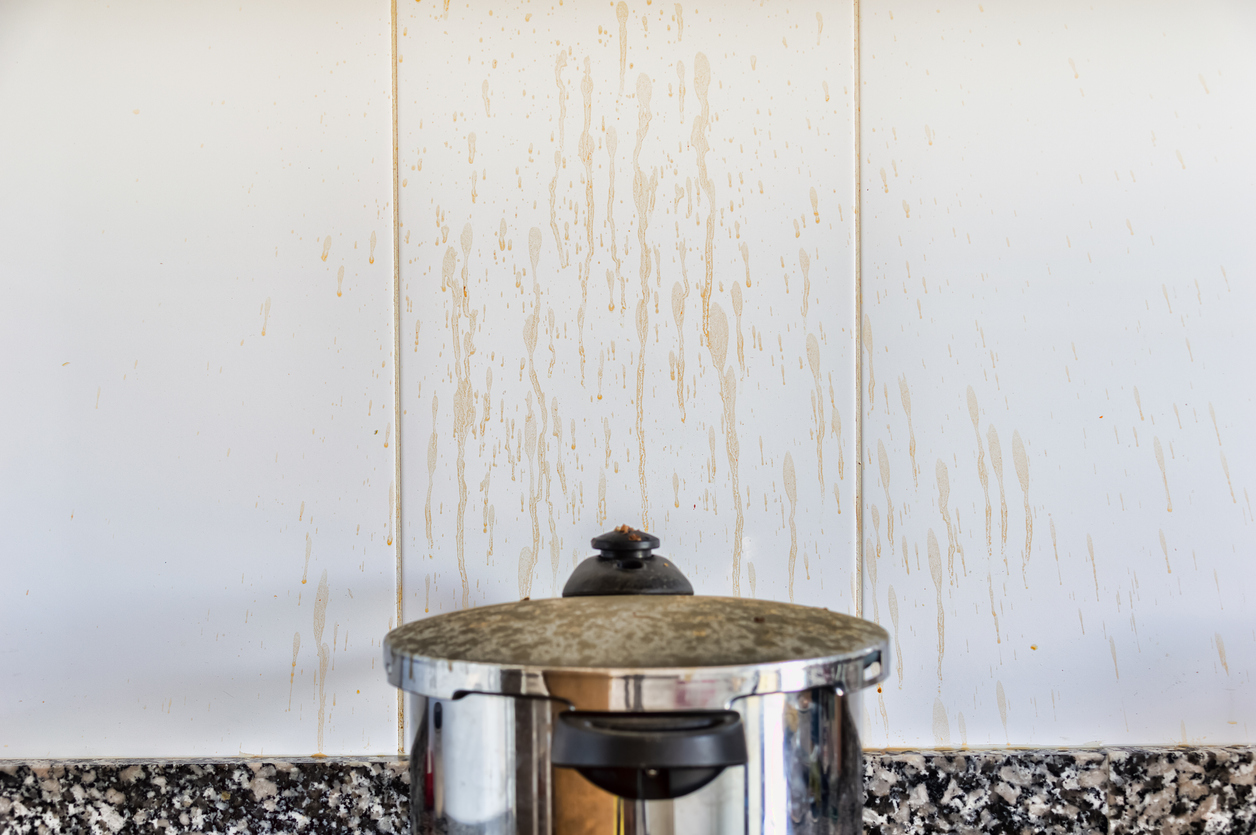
{"x":1110,"y":790}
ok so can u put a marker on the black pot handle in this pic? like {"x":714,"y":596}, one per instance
{"x":649,"y":756}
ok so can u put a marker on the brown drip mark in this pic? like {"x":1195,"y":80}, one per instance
{"x":392,"y":507}
{"x":371,"y":260}
{"x":701,"y":86}
{"x":265,"y":314}
{"x":296,"y":649}
{"x":431,"y":472}
{"x":804,"y":263}
{"x":982,"y":475}
{"x":994,"y":609}
{"x":718,"y":343}
{"x":870,"y":563}
{"x":559,"y":63}
{"x":679,"y":295}
{"x":324,"y":652}
{"x":1225,"y":467}
{"x":680,"y":74}
{"x":935,"y":571}
{"x":735,"y":292}
{"x":309,"y":546}
{"x":464,"y":397}
{"x":621,"y":12}
{"x":1054,"y":548}
{"x":905,"y":395}
{"x":535,"y":440}
{"x":612,"y":144}
{"x":791,"y":492}
{"x":1221,"y":652}
{"x":340,"y":280}
{"x":1021,"y":463}
{"x":326,"y":247}
{"x":680,"y":23}
{"x":1094,"y":567}
{"x":586,"y":156}
{"x":1163,"y":473}
{"x":996,"y":462}
{"x":872,"y":377}
{"x":952,"y":537}
{"x":1001,"y":698}
{"x":1164,"y":546}
{"x":883,"y":461}
{"x":941,"y":727}
{"x":643,"y":192}
{"x":817,"y":397}
{"x":841,"y":456}
{"x":898,"y":650}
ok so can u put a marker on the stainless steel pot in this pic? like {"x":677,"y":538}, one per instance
{"x":631,"y":706}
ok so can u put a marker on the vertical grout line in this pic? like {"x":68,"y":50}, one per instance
{"x":396,"y":310}
{"x":858,"y":325}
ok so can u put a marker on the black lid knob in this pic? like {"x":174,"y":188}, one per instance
{"x":626,"y":564}
{"x":614,"y":544}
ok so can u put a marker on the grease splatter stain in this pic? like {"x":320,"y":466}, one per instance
{"x":431,"y":471}
{"x":296,"y":649}
{"x":898,"y":651}
{"x":905,"y":395}
{"x":309,"y":545}
{"x":804,"y":263}
{"x":1021,"y":463}
{"x":621,"y":13}
{"x":935,"y":571}
{"x":1001,"y":698}
{"x":1163,"y":473}
{"x":941,"y":727}
{"x":791,"y":492}
{"x":996,"y":463}
{"x":324,"y":652}
{"x":883,"y":461}
{"x":1221,"y":652}
{"x":702,"y":86}
{"x":982,"y":475}
{"x":643,"y":192}
{"x":817,"y":398}
{"x":952,"y":536}
{"x":728,"y":394}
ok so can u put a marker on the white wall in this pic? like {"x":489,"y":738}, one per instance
{"x":1057,"y":251}
{"x":191,"y":395}
{"x":166,"y":465}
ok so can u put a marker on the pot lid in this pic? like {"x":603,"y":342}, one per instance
{"x":636,"y":651}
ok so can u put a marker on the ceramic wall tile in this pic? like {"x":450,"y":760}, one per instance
{"x":1057,"y":300}
{"x":196,"y":330}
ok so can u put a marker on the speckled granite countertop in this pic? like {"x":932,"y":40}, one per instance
{"x":1147,"y":790}
{"x":1117,"y":790}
